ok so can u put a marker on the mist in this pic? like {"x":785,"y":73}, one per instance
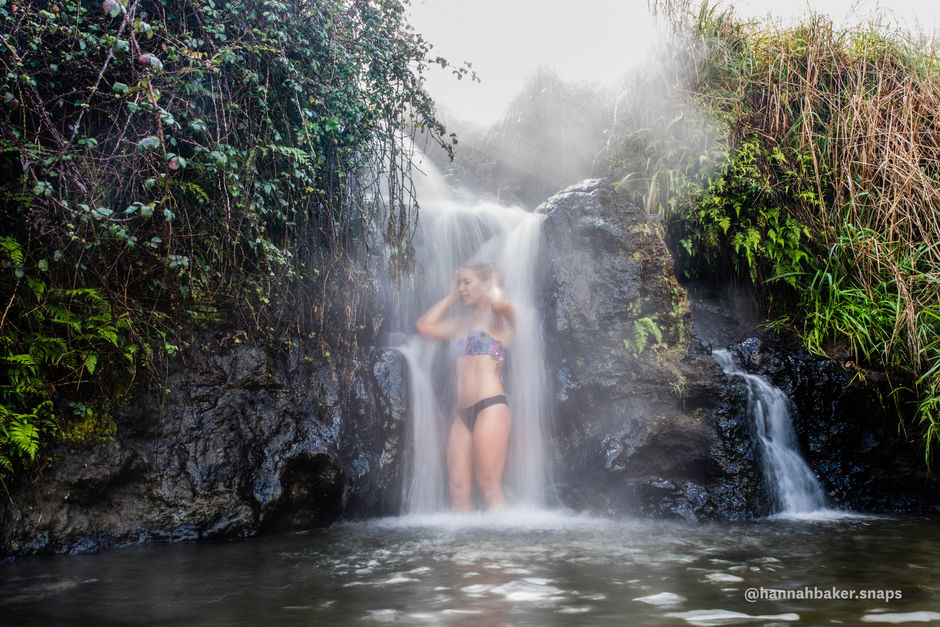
{"x":565,"y":94}
{"x":559,"y":128}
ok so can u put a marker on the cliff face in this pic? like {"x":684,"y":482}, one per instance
{"x":645,"y":421}
{"x":246,"y":441}
{"x":641,"y":420}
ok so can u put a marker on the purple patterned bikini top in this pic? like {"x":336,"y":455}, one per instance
{"x":482,"y":343}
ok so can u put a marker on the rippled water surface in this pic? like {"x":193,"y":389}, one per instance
{"x":512,"y":568}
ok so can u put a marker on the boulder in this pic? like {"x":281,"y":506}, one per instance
{"x":244,"y":440}
{"x":856,"y":432}
{"x":638,"y":398}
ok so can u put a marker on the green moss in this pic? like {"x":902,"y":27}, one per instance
{"x":89,"y":426}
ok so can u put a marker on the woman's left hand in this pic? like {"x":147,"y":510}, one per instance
{"x":494,"y":294}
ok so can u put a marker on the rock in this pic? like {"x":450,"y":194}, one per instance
{"x":646,"y":421}
{"x":858,"y":436}
{"x":245,"y":441}
{"x":378,"y":436}
{"x":249,"y":440}
{"x":637,"y":395}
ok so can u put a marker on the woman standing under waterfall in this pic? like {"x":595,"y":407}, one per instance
{"x":479,"y":433}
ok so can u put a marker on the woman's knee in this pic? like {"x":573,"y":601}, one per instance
{"x":489,"y":482}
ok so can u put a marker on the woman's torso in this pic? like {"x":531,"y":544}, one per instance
{"x":479,"y":375}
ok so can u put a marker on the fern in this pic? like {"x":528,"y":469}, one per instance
{"x":290,"y":151}
{"x":23,"y":360}
{"x":108,"y":333}
{"x":200,"y":192}
{"x":25,"y":437}
{"x":643,"y":328}
{"x":12,"y":249}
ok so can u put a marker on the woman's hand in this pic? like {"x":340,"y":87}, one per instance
{"x":495,"y":293}
{"x":499,"y":303}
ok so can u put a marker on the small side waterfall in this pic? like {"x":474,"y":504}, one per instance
{"x":452,"y":230}
{"x":795,"y":489}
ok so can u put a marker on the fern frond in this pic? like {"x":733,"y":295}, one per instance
{"x":25,"y":436}
{"x":290,"y":151}
{"x":13,"y":250}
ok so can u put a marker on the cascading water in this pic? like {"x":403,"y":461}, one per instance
{"x":452,"y":230}
{"x":795,"y":489}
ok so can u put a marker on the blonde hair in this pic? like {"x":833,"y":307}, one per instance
{"x":483,"y":269}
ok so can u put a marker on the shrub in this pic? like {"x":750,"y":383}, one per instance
{"x":822,"y":187}
{"x":165,"y":162}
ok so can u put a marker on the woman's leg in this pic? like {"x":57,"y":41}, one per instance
{"x":460,"y":466}
{"x":490,"y":441}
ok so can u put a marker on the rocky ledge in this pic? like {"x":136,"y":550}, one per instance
{"x":643,"y":417}
{"x":245,"y":441}
{"x":646,"y":421}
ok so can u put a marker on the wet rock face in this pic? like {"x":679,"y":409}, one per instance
{"x":642,"y":418}
{"x":645,"y":420}
{"x":246,"y":441}
{"x":849,"y":430}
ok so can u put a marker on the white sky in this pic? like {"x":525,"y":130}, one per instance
{"x":599,"y":40}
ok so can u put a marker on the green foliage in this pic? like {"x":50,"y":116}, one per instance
{"x":732,"y":216}
{"x":54,"y":341}
{"x":836,"y":303}
{"x":643,"y":328}
{"x":163,"y":160}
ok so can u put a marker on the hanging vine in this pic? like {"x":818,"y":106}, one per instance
{"x":172,"y":163}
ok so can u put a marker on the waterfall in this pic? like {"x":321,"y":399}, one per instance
{"x":451,"y":230}
{"x":794,"y":487}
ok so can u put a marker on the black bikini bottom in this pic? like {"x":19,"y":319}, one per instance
{"x":469,"y":414}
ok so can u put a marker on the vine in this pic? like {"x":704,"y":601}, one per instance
{"x":174,"y":163}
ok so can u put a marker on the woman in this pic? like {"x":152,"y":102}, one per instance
{"x":479,"y":434}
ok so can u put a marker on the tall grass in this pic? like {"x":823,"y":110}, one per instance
{"x":833,"y":137}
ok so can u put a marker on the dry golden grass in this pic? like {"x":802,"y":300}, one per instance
{"x":848,"y":121}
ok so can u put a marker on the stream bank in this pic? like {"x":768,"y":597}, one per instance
{"x":253,"y":440}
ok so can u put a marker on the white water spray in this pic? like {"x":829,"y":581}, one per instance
{"x":452,"y":230}
{"x":795,"y":489}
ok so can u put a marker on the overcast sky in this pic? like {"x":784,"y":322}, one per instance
{"x":506,"y":40}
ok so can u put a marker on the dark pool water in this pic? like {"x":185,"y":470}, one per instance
{"x":511,"y":568}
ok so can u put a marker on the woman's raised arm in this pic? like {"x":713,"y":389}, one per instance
{"x":432,"y":324}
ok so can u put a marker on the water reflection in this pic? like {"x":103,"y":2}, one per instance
{"x":511,"y":568}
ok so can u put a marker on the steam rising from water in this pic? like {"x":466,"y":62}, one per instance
{"x":452,"y":230}
{"x":597,"y":41}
